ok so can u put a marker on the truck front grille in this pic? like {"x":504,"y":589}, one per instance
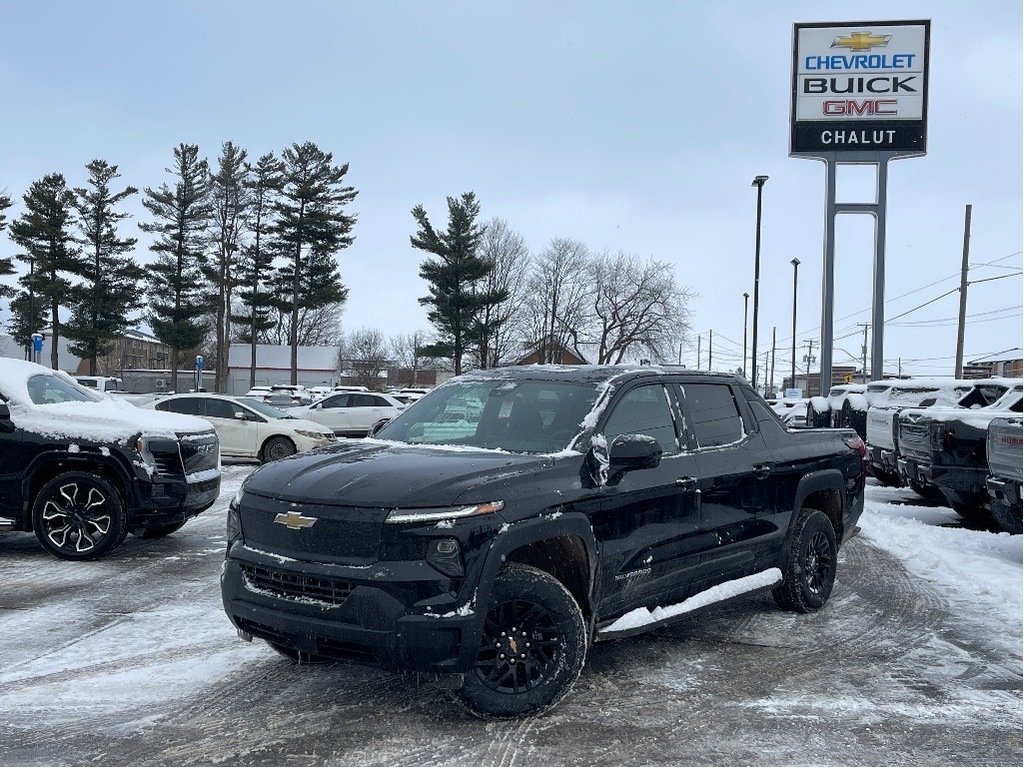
{"x":297,"y":586}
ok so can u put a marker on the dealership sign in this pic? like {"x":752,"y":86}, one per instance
{"x":859,"y":87}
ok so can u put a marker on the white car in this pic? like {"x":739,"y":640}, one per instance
{"x":413,"y":393}
{"x":351,"y":413}
{"x":248,"y":428}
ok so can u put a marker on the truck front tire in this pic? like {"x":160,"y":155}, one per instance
{"x":532,"y":649}
{"x":78,"y":516}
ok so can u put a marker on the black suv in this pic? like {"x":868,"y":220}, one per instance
{"x":82,"y":470}
{"x":574,"y":505}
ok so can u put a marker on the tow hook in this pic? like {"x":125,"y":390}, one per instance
{"x":245,"y":635}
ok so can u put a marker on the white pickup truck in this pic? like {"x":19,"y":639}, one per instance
{"x":883,"y":449}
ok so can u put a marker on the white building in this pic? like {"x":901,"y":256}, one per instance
{"x":317,"y":366}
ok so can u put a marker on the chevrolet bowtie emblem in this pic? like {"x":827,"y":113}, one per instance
{"x":861,"y":41}
{"x":295,"y":520}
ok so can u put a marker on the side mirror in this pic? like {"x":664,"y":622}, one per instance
{"x":241,"y":415}
{"x":6,"y":425}
{"x":631,"y":452}
{"x":378,"y":426}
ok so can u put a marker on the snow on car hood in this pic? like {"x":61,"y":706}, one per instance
{"x":101,"y":422}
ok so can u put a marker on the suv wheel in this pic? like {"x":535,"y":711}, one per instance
{"x":811,"y":572}
{"x":78,"y":516}
{"x":532,"y":649}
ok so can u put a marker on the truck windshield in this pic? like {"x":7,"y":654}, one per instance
{"x":46,"y":389}
{"x":523,"y":416}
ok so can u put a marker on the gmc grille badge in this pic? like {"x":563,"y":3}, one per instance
{"x":295,"y":520}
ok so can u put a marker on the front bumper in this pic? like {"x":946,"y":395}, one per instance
{"x":169,"y":500}
{"x":369,"y":614}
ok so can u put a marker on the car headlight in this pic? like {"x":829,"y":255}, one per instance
{"x":435,"y":514}
{"x":310,"y":434}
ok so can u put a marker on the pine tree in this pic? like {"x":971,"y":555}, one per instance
{"x":231,"y":199}
{"x":264,"y":184}
{"x":181,"y":220}
{"x":6,"y":263}
{"x":111,"y":278}
{"x":457,"y":293}
{"x":44,"y":231}
{"x":311,"y":227}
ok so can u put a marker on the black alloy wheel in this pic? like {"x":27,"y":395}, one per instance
{"x":78,"y":516}
{"x":811,"y":567}
{"x":819,"y":563}
{"x":531,"y":650}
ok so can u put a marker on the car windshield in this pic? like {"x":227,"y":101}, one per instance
{"x":46,"y":389}
{"x":523,"y":416}
{"x":263,"y":409}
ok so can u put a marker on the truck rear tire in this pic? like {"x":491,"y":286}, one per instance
{"x":811,"y":569}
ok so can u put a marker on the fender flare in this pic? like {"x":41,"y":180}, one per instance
{"x":813,"y":482}
{"x":71,"y":462}
{"x":548,"y":525}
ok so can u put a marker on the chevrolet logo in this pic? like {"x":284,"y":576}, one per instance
{"x":861,"y":41}
{"x":295,"y":520}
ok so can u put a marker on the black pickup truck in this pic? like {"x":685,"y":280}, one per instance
{"x":946,"y":448}
{"x":577,"y":504}
{"x":82,"y":471}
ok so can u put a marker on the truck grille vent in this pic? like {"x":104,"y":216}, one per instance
{"x":168,"y":464}
{"x":295,"y":586}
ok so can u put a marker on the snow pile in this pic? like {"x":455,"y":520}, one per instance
{"x":642,"y":617}
{"x":980,"y":572}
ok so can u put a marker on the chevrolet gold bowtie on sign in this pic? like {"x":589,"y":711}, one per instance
{"x":861,"y":41}
{"x":295,"y":520}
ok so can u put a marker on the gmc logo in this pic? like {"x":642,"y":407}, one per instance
{"x":859,"y":107}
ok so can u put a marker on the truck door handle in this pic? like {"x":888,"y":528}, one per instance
{"x":761,"y":471}
{"x":687,"y":483}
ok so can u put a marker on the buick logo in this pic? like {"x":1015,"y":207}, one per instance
{"x":295,"y":520}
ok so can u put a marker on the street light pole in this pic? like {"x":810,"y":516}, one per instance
{"x":759,"y":183}
{"x":792,"y":369}
{"x":746,"y":296}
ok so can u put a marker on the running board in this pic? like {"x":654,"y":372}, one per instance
{"x":8,"y":524}
{"x":642,"y":619}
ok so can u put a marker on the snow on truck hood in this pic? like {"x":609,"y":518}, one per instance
{"x":106,"y":421}
{"x":97,"y":419}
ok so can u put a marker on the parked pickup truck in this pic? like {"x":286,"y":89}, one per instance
{"x":883,"y":415}
{"x":946,"y":447}
{"x":1005,"y":447}
{"x":577,"y":504}
{"x":82,"y":471}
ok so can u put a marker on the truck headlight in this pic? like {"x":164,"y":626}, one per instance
{"x":436,"y":514}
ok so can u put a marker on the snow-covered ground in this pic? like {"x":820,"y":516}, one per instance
{"x":915,"y":660}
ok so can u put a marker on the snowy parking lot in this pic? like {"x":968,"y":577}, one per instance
{"x":916,"y":659}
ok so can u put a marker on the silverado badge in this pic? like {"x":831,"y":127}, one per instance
{"x":295,"y":519}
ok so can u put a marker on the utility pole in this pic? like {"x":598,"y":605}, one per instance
{"x":698,"y":352}
{"x":809,"y":358}
{"x":864,"y":352}
{"x":771,"y":378}
{"x":792,"y":370}
{"x":959,"y":372}
{"x":710,"y":334}
{"x":767,"y":383}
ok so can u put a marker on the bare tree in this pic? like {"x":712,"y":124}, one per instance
{"x":365,"y":353}
{"x":318,"y":326}
{"x":636,"y":307}
{"x":499,"y":327}
{"x":557,"y":297}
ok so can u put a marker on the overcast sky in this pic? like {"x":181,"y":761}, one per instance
{"x":629,"y":126}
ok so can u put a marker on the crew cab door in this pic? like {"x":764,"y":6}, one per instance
{"x":738,"y":515}
{"x":647,"y":520}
